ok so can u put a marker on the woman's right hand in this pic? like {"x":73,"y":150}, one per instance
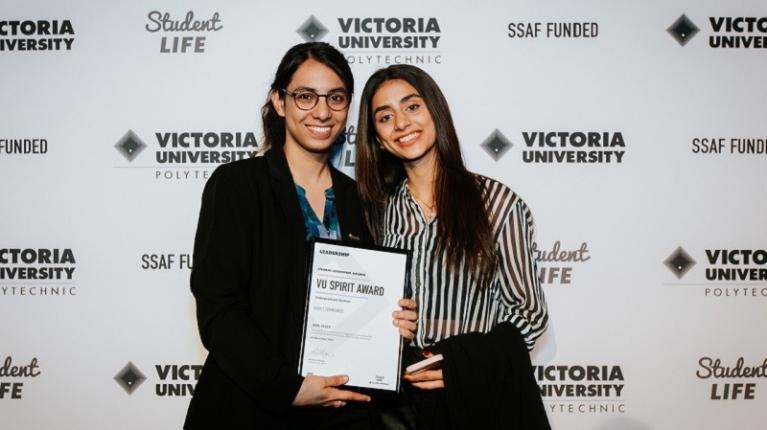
{"x":322,"y":391}
{"x":427,"y":379}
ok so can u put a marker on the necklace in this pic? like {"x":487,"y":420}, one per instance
{"x":429,"y":211}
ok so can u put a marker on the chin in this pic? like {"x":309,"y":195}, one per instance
{"x":319,"y":147}
{"x":414,"y":155}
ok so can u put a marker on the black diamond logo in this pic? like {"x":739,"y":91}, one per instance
{"x":129,"y":378}
{"x":679,"y":262}
{"x":312,"y":30}
{"x":496,"y":145}
{"x":130,"y":146}
{"x":683,"y":30}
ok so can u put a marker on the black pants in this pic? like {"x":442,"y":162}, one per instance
{"x":353,"y":416}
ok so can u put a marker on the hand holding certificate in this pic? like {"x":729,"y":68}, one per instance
{"x":351,"y":295}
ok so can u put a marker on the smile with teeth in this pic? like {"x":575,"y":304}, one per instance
{"x":408,"y":137}
{"x":318,"y":129}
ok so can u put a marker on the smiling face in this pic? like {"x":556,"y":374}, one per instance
{"x":403,"y":123}
{"x":312,"y":130}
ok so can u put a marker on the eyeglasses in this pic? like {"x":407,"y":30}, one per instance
{"x":307,"y":100}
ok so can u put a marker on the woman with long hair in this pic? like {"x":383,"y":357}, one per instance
{"x":250,"y":259}
{"x":473,"y":275}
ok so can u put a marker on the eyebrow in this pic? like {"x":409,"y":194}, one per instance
{"x":402,"y":100}
{"x":302,"y":88}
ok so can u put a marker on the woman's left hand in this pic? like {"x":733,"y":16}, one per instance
{"x":406,"y":318}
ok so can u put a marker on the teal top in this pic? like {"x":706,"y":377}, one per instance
{"x":328,"y":228}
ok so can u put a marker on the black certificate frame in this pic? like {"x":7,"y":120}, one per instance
{"x":406,"y":292}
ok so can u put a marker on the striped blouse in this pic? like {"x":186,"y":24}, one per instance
{"x":453,"y":303}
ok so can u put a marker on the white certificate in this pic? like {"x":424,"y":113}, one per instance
{"x":351,"y":294}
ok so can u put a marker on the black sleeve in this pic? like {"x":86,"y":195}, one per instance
{"x":220,"y":282}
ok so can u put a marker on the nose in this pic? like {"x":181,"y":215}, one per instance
{"x":322,"y":110}
{"x":401,"y":121}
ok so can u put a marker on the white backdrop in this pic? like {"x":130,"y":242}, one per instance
{"x":123,"y":223}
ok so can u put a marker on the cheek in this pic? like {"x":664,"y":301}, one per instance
{"x":381,"y":131}
{"x":293,"y":115}
{"x":341,"y":116}
{"x":428,"y":122}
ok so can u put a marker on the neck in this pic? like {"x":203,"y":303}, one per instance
{"x":422,"y":176}
{"x":306,"y":167}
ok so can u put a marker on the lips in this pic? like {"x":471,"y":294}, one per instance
{"x":408,"y":138}
{"x":320,"y":131}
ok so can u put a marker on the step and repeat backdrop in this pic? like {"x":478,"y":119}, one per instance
{"x":634,"y":130}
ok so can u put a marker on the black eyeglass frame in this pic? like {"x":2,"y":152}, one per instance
{"x":317,"y":100}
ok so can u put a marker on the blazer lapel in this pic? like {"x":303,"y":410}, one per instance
{"x":345,"y":196}
{"x":293,"y":246}
{"x":285,"y":194}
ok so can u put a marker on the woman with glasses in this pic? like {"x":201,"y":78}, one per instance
{"x":250,"y":254}
{"x":473,"y":275}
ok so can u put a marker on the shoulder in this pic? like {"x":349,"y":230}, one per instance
{"x":502,"y":202}
{"x":399,"y":194}
{"x":241,"y":168}
{"x":341,"y":180}
{"x":236,"y":177}
{"x":496,"y":193}
{"x":345,"y":188}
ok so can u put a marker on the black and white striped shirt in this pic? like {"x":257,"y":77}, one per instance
{"x":453,"y":303}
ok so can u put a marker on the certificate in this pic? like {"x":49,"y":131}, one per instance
{"x":351,"y":293}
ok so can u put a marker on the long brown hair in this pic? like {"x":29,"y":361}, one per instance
{"x":272,"y":123}
{"x":463,"y":226}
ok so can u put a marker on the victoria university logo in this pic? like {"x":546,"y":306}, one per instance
{"x":683,"y":30}
{"x":36,"y":35}
{"x":174,"y":380}
{"x":187,"y":154}
{"x":679,"y":262}
{"x":312,"y":30}
{"x":380,"y":40}
{"x":581,"y":389}
{"x":129,"y":378}
{"x":496,"y":145}
{"x":725,"y":272}
{"x":726,"y":32}
{"x":561,"y":147}
{"x":130,"y":146}
{"x":36,"y":272}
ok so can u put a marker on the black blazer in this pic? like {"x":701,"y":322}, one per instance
{"x":249,"y":283}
